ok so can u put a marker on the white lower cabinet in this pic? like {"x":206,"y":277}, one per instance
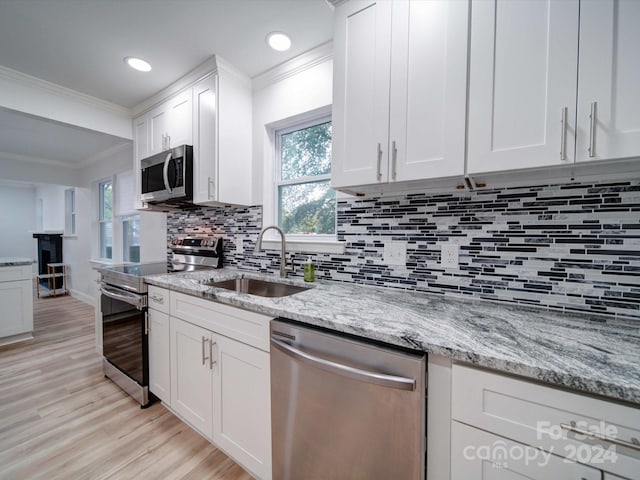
{"x":191,"y":379}
{"x":16,"y":300}
{"x":476,"y":454}
{"x":159,"y":355}
{"x":502,"y":420}
{"x":241,"y":404}
{"x":210,"y":364}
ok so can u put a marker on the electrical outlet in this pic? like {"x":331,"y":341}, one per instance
{"x":395,"y":253}
{"x":449,"y":255}
{"x":239,"y":245}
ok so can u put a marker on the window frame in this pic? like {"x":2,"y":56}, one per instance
{"x":294,"y":126}
{"x":70,"y":218}
{"x":102,"y":221}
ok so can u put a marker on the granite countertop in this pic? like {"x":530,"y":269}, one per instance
{"x":15,"y":261}
{"x":588,"y":353}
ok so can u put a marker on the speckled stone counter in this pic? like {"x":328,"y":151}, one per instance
{"x":592,"y":354}
{"x":15,"y":261}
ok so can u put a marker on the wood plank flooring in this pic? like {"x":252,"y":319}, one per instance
{"x":60,"y":418}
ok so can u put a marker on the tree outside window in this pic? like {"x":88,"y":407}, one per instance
{"x":306,"y":203}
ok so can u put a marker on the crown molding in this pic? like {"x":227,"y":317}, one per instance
{"x":39,"y":84}
{"x":201,"y":71}
{"x":296,"y":65}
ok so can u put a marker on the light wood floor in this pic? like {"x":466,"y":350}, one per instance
{"x":60,"y":418}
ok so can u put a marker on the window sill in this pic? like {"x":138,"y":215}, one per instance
{"x":306,"y":246}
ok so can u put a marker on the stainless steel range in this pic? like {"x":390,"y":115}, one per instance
{"x":123,"y":303}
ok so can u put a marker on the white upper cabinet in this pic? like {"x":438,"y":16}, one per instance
{"x":222,"y":106}
{"x":609,"y":80}
{"x":428,"y":89}
{"x":399,"y":91}
{"x":362,"y":57}
{"x":214,"y":115}
{"x":522,"y":84}
{"x":170,"y":124}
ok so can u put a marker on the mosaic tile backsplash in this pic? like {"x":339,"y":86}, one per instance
{"x":573,"y":247}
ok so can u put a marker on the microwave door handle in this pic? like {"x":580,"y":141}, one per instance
{"x":165,"y":173}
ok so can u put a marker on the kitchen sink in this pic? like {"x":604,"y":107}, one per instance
{"x":261,"y":288}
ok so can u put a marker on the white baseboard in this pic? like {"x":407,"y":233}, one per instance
{"x":83,"y":297}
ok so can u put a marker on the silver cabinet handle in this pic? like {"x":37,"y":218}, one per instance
{"x":394,"y":159}
{"x":211,"y":362}
{"x":157,"y":298}
{"x":209,"y":188}
{"x":165,"y":173}
{"x":592,"y":129}
{"x":379,"y":162}
{"x":563,"y":134}
{"x":146,"y":323}
{"x":391,"y":381}
{"x":571,"y":427}
{"x":204,"y":339}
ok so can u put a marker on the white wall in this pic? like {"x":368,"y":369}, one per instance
{"x":52,"y":207}
{"x":307,"y":91}
{"x":77,"y":249}
{"x":18,"y":221}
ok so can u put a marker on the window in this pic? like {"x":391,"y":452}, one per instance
{"x":70,"y":211}
{"x":305,"y":201}
{"x":106,"y":219}
{"x":131,"y":238}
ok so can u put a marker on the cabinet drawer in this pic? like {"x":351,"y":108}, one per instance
{"x":478,"y":455}
{"x":535,"y":415}
{"x":158,"y":299}
{"x":247,"y":327}
{"x":18,"y":272}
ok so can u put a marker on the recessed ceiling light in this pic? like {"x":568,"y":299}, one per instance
{"x":279,"y":41}
{"x":137,"y":64}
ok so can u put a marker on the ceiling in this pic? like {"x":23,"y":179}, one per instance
{"x":81,"y":45}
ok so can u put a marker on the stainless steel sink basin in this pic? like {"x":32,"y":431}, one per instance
{"x":262,"y":288}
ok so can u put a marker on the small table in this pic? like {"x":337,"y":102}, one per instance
{"x":54,"y":271}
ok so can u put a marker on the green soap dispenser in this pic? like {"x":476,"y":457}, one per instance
{"x":309,"y":271}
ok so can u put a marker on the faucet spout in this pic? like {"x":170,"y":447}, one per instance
{"x":283,"y":251}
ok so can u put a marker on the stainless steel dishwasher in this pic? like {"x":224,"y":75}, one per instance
{"x":344,"y":409}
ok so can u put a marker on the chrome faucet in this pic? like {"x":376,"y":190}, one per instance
{"x":283,"y":252}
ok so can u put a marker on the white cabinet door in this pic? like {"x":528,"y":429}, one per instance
{"x":157,"y":120}
{"x":608,"y":80}
{"x":159,"y":355}
{"x":16,"y":311}
{"x":191,"y":378}
{"x":179,"y":120}
{"x":205,"y":179}
{"x":428,"y":89}
{"x":522,"y":84}
{"x":242,"y":412}
{"x":479,"y":455}
{"x":361,"y":93}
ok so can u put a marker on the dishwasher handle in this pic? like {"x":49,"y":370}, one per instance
{"x":391,"y":381}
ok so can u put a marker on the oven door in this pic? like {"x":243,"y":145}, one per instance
{"x":124,"y":332}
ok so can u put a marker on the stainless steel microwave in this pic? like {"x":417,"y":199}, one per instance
{"x":167,"y":177}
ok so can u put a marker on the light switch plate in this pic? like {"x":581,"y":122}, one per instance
{"x":449,"y":255}
{"x":395,"y":253}
{"x":239,"y":245}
